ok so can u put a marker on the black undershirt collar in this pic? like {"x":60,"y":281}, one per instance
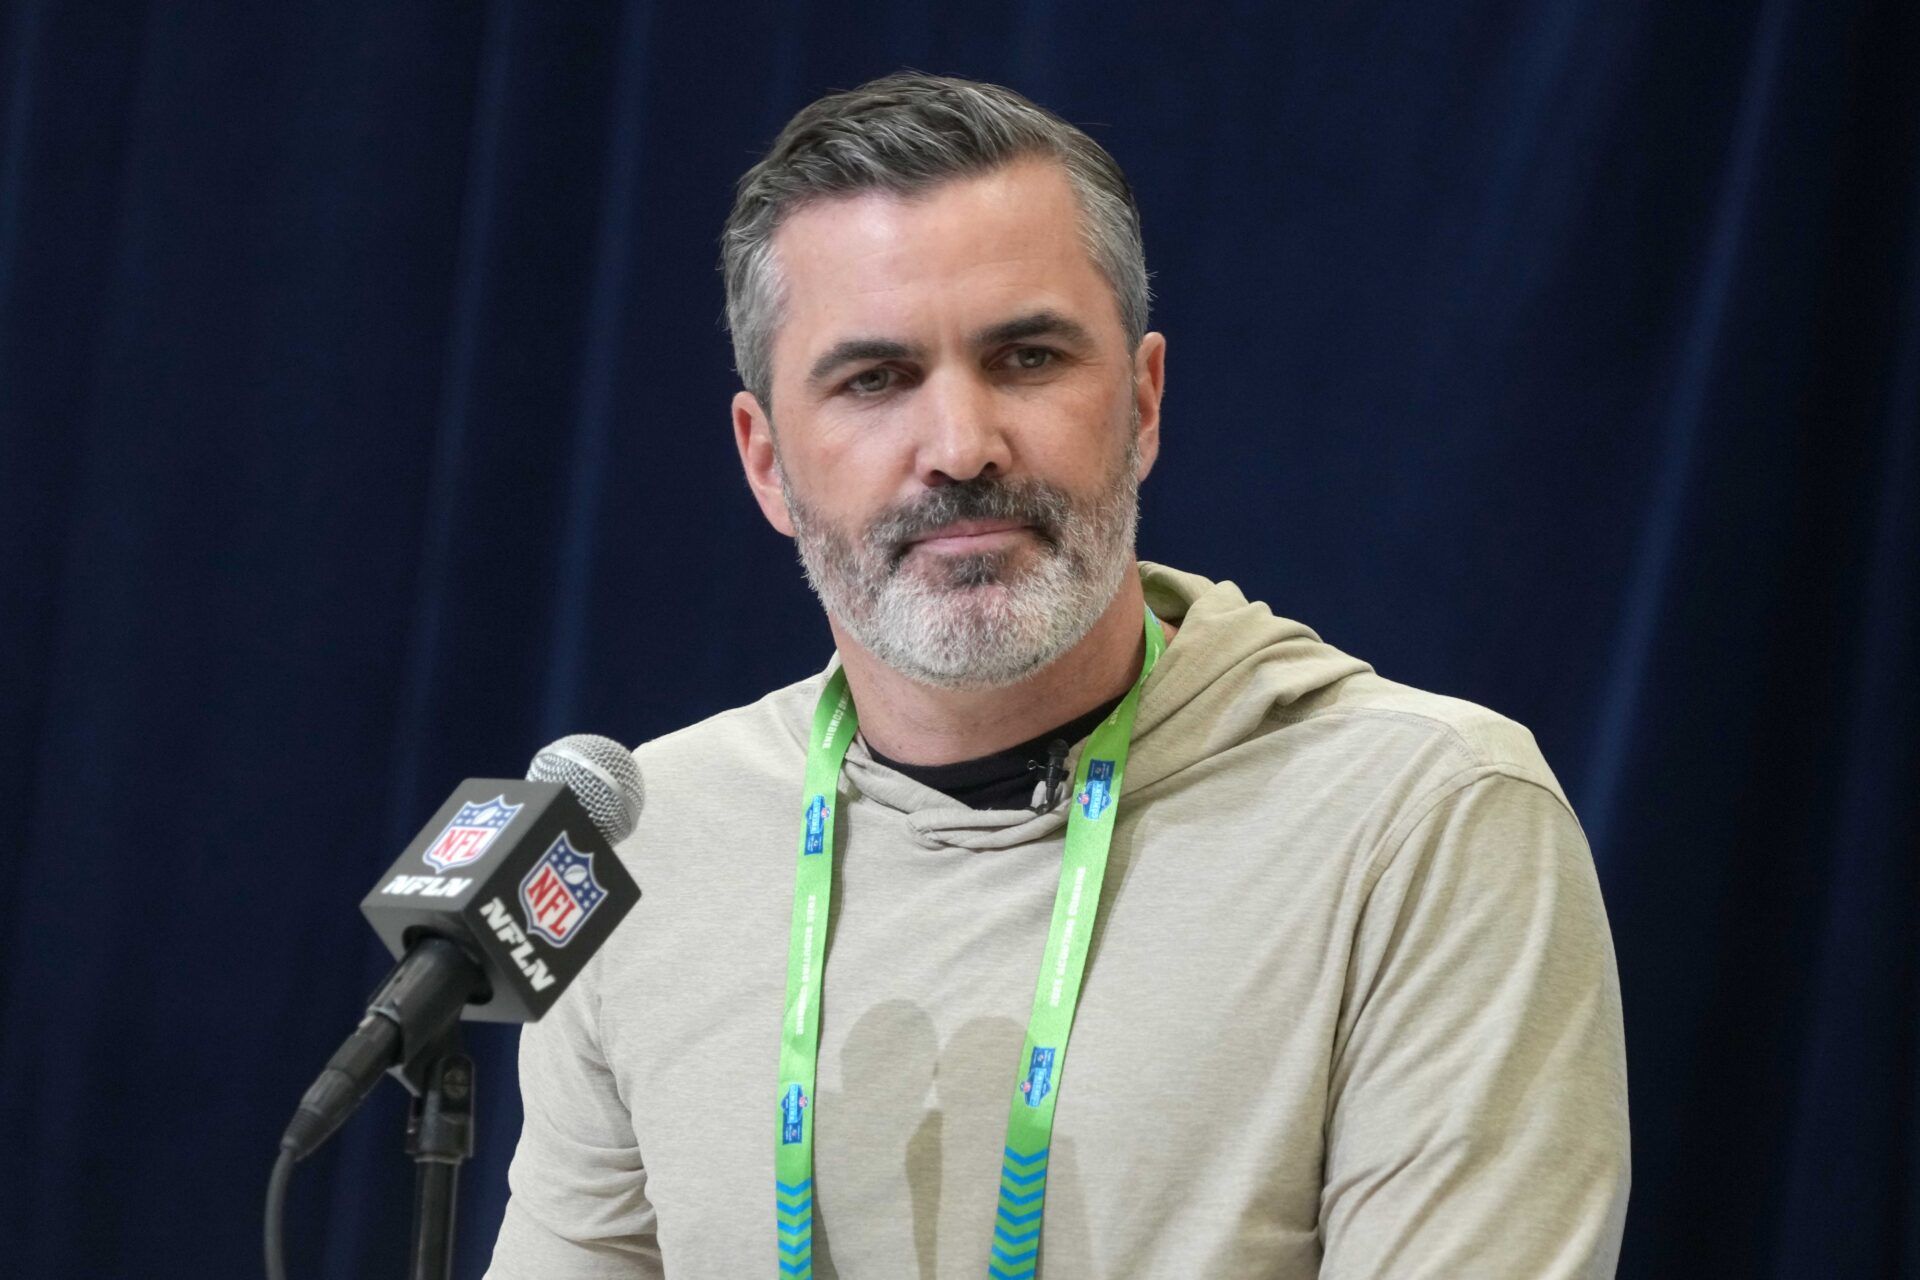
{"x":1006,"y":779}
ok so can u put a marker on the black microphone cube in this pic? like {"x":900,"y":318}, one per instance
{"x":517,"y":873}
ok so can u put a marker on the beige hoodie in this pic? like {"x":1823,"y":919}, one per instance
{"x":1351,"y":1008}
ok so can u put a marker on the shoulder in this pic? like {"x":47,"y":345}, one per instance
{"x":766,"y":734}
{"x":1450,"y":742}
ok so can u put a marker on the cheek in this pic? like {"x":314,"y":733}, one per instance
{"x":1078,"y":429}
{"x":850,"y":476}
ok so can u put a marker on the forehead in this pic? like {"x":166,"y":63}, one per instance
{"x":959,"y":256}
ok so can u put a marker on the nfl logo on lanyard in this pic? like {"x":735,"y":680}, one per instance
{"x":470,"y":833}
{"x":560,"y":893}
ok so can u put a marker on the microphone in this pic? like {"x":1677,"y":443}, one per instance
{"x":1053,"y":776}
{"x":493,"y":909}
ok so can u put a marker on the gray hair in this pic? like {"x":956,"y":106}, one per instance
{"x":905,"y":134}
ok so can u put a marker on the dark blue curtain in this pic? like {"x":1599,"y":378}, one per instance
{"x":363,"y":426}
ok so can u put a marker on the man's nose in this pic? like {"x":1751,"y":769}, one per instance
{"x":963,"y":434}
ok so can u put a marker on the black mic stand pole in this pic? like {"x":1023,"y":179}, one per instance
{"x":439,"y":1138}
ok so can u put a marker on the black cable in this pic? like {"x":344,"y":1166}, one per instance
{"x":276,"y":1208}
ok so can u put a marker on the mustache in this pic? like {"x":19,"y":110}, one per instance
{"x":1045,"y":507}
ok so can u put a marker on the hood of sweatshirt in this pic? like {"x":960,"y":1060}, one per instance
{"x":1229,"y":672}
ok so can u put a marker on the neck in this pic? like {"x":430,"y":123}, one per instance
{"x":920,"y":724}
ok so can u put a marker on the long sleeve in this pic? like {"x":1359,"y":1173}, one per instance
{"x":1478,"y":1112}
{"x":579,"y":1208}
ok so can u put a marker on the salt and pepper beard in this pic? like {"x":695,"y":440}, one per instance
{"x":983,"y":620}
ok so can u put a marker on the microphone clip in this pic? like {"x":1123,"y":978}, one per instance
{"x":1053,"y":776}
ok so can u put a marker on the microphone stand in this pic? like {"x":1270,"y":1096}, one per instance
{"x":439,"y":1138}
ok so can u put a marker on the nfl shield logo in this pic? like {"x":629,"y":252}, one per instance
{"x":471,"y":832}
{"x":560,"y":893}
{"x":1098,"y":793}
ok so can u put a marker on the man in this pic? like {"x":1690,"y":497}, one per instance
{"x":1303,"y":973}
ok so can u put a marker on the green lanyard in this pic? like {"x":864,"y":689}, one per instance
{"x":1023,"y":1166}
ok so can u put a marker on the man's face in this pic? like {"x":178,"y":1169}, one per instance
{"x":961,"y":424}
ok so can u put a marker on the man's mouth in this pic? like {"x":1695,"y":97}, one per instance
{"x":971,"y":537}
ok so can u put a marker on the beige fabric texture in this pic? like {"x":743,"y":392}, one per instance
{"x":1351,"y":1009}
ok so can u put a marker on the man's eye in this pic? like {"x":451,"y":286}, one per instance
{"x":870,"y":381}
{"x":1031,"y":358}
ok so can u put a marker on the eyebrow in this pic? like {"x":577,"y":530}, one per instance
{"x":1039,"y":324}
{"x":853,"y":350}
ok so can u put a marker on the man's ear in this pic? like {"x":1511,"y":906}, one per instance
{"x":1149,"y":382}
{"x":753,"y":436}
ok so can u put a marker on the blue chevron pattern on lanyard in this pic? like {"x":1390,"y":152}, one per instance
{"x":1016,"y":1220}
{"x":793,"y":1205}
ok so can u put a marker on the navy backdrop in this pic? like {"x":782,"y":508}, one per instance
{"x":363,"y":427}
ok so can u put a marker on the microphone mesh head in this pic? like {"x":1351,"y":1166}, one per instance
{"x":602,"y":776}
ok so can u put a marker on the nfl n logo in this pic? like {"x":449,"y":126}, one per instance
{"x":560,"y":893}
{"x":471,"y":832}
